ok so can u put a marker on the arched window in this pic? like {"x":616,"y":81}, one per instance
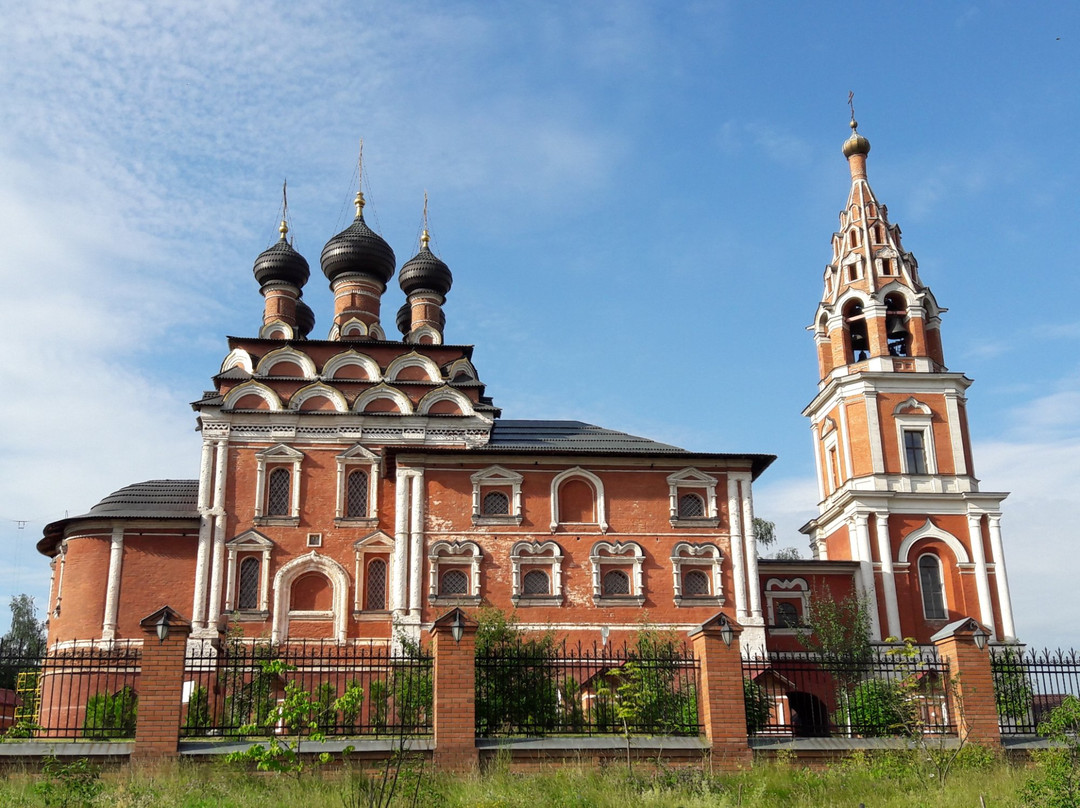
{"x":375,"y":588}
{"x":248,"y":595}
{"x":691,"y":506}
{"x":855,"y":323}
{"x":535,"y":582}
{"x":616,"y":582}
{"x":933,"y":591}
{"x":695,"y":584}
{"x":896,"y":329}
{"x":495,"y":503}
{"x":454,"y":582}
{"x":357,"y":495}
{"x":277,"y":494}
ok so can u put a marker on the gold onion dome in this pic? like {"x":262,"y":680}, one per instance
{"x":358,"y":250}
{"x":281,"y":263}
{"x":856,"y":144}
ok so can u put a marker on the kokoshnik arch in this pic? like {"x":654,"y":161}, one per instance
{"x":355,"y":487}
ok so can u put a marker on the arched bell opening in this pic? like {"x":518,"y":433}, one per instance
{"x":824,"y":347}
{"x":896,"y":327}
{"x":858,"y":344}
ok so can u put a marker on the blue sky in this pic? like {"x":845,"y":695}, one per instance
{"x":636,"y":200}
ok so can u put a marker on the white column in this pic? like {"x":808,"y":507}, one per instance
{"x":738,"y":570}
{"x":815,"y":434}
{"x":956,"y":434}
{"x":1001,"y":578}
{"x":400,"y":557}
{"x":888,"y":576}
{"x":416,"y":542}
{"x":873,"y":427}
{"x":112,"y":587}
{"x":217,"y":561}
{"x":230,"y":580}
{"x":206,"y":527}
{"x":982,"y":580}
{"x":750,"y":541}
{"x":866,"y":568}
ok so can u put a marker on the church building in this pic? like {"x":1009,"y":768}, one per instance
{"x":356,"y":487}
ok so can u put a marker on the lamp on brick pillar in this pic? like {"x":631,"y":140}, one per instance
{"x":161,"y":681}
{"x":962,"y":644}
{"x":723,"y":710}
{"x":454,"y":691}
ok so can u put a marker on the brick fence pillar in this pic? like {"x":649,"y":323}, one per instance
{"x":971,"y":692}
{"x":161,"y":681}
{"x":455,"y":692}
{"x":722,"y":708}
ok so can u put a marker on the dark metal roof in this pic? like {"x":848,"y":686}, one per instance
{"x":153,"y":499}
{"x":574,"y":436}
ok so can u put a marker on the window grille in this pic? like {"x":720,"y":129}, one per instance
{"x":536,"y":582}
{"x":496,"y":503}
{"x":695,"y":583}
{"x":277,"y":498}
{"x":616,"y":582}
{"x":787,"y":615}
{"x":454,"y":582}
{"x":691,"y":506}
{"x":357,"y":495}
{"x":248,"y":597}
{"x":375,"y":591}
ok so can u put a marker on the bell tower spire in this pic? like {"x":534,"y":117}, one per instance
{"x":896,"y":479}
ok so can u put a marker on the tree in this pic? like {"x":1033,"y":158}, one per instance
{"x":1056,"y":781}
{"x":839,"y":630}
{"x":25,"y":640}
{"x":764,"y":532}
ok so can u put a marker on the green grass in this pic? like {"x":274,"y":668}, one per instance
{"x":881,"y":781}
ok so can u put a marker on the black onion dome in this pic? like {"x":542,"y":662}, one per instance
{"x":358,"y":250}
{"x":305,"y":318}
{"x":425,"y":272}
{"x":404,"y":318}
{"x":281,"y":263}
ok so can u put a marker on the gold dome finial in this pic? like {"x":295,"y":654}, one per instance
{"x":425,"y":237}
{"x":359,"y":201}
{"x":856,"y":144}
{"x":284,"y":227}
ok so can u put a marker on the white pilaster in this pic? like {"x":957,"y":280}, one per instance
{"x":738,"y":569}
{"x":888,"y":576}
{"x":1001,"y":578}
{"x":873,"y":428}
{"x":217,"y":560}
{"x":866,"y":568}
{"x":416,"y":542}
{"x":982,"y":580}
{"x":206,"y":528}
{"x":750,"y":542}
{"x":112,"y":587}
{"x":400,"y":558}
{"x":956,"y":434}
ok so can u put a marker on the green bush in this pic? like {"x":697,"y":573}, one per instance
{"x":111,"y":715}
{"x":758,"y":706}
{"x":878,"y":708}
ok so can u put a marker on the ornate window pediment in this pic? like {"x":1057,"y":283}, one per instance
{"x":268,"y":462}
{"x":240,"y":580}
{"x":454,"y":575}
{"x":697,"y":574}
{"x":692,"y":499}
{"x":537,"y":573}
{"x":617,"y":576}
{"x":357,"y":485}
{"x":487,"y":485}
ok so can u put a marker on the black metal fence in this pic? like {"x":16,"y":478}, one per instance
{"x":1028,"y":684}
{"x":76,"y":692}
{"x":535,"y":689}
{"x":877,"y":695}
{"x":257,"y":689}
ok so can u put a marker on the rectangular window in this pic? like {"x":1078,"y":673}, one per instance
{"x":915,"y":451}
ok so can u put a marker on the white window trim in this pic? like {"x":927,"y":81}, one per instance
{"x":706,"y":557}
{"x":496,"y":476}
{"x":534,"y":554}
{"x":283,"y":581}
{"x":279,"y":455}
{"x":377,"y":543}
{"x":598,"y":492}
{"x":350,"y":460}
{"x":445,"y":554}
{"x":941,"y":579}
{"x":834,"y":472}
{"x":922,"y":421}
{"x":692,"y":481}
{"x":618,"y":554}
{"x":786,"y":589}
{"x":286,"y":354}
{"x":350,"y":358}
{"x":251,"y":541}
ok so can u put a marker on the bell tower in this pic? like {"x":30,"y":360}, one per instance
{"x":897,"y":486}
